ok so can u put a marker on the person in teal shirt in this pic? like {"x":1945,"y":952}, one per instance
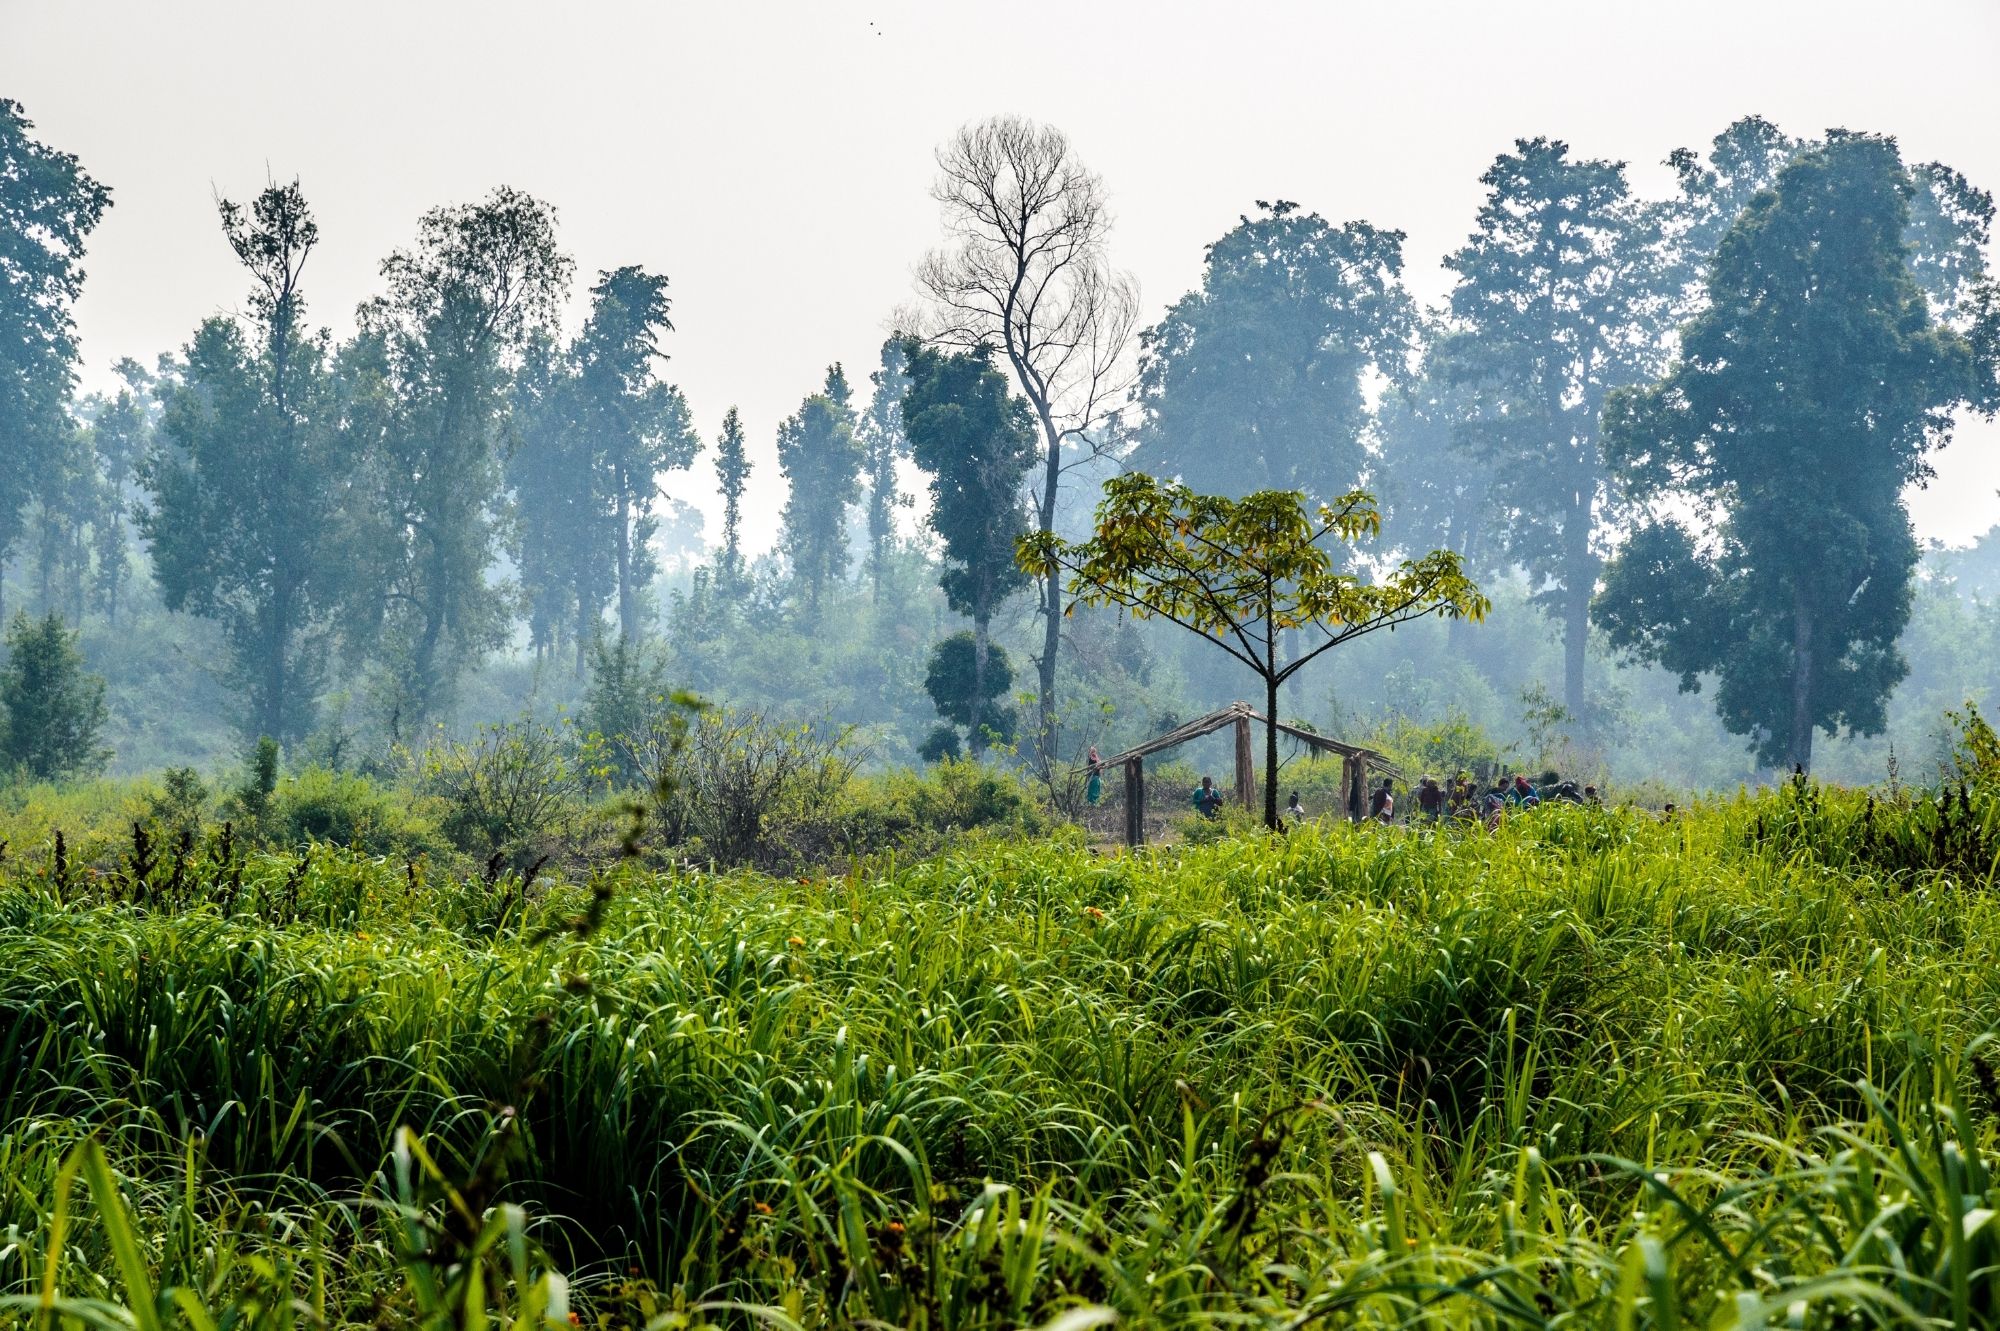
{"x":1207,"y":799}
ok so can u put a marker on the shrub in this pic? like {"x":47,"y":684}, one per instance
{"x":746,"y":789}
{"x":514,"y":791}
{"x":954,"y":795}
{"x":345,"y":809}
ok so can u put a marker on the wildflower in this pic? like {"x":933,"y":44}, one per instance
{"x":1093,"y":912}
{"x":895,"y":1226}
{"x":574,"y":1320}
{"x":796,"y":941}
{"x":761,"y":1208}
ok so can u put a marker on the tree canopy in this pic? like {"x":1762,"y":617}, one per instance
{"x":1241,"y":572}
{"x":1809,"y":392}
{"x":1259,"y":380}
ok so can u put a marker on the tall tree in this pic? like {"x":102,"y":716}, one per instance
{"x":48,"y":206}
{"x":821,"y":460}
{"x":977,"y":441}
{"x":1559,"y":303}
{"x":247,"y":481}
{"x":559,"y":532}
{"x":1949,"y":226}
{"x":1809,"y":392}
{"x":732,"y":474}
{"x":1241,"y":572}
{"x":481,"y":279}
{"x":638,"y":427}
{"x":1026,"y":272}
{"x":1437,"y":489}
{"x":595,"y":428}
{"x":882,"y":442}
{"x":121,"y":430}
{"x":1259,"y":380}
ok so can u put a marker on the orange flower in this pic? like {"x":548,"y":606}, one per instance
{"x":796,"y":941}
{"x":761,"y":1208}
{"x":1093,"y":912}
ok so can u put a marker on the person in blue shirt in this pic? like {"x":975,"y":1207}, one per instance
{"x":1207,"y":799}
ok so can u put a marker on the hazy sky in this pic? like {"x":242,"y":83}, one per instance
{"x":774,"y":159}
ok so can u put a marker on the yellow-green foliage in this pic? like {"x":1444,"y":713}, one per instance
{"x":1598,"y":1069}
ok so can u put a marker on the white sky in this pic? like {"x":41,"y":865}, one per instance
{"x":774,"y":159}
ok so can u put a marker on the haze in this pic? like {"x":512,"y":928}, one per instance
{"x":775,"y":160}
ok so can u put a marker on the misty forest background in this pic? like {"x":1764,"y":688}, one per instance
{"x":465,"y":513}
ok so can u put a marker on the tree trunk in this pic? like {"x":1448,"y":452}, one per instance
{"x":1802,"y":682}
{"x":1580,"y":584}
{"x":272,"y":722}
{"x":1045,"y":664}
{"x":628,"y":604}
{"x":1271,"y":752}
{"x":976,"y":730}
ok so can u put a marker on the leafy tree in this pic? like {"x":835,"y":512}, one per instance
{"x":66,"y":493}
{"x":967,"y":684}
{"x":880,"y":430}
{"x":480,"y":281}
{"x":637,"y":426}
{"x":247,"y":481}
{"x":48,"y":207}
{"x":1809,"y":392}
{"x":821,"y":461}
{"x":54,"y":706}
{"x":1026,"y":272}
{"x":595,"y":428}
{"x":1258,"y":380}
{"x":732,"y":473}
{"x":121,"y":431}
{"x":1558,"y":303}
{"x":558,"y":541}
{"x":1240,"y":572}
{"x":1437,"y":488}
{"x":977,"y":441}
{"x":1949,"y":225}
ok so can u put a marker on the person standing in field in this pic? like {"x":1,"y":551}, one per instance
{"x":1093,"y":790}
{"x":1207,"y":799}
{"x":1430,"y":799}
{"x":1383,"y":807}
{"x":1295,"y":811}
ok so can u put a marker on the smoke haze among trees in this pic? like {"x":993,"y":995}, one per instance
{"x":458,"y":494}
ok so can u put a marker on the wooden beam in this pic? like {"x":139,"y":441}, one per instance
{"x":1135,"y":802}
{"x":1246,"y":765}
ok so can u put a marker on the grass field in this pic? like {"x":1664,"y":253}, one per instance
{"x":1596,"y":1069}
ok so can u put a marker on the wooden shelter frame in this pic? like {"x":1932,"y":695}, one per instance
{"x":1356,"y":762}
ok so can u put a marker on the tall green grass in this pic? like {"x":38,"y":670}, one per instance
{"x":1597,"y":1069}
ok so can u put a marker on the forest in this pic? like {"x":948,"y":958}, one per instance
{"x":445,"y":884}
{"x":453,"y":517}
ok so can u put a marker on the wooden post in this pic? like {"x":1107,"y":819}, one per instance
{"x":1135,"y":802}
{"x":1246,"y":765}
{"x":1350,"y":783}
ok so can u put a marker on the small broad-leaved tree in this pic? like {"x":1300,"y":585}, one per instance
{"x":1242,"y":572}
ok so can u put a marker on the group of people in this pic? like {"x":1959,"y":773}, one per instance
{"x":1463,"y":802}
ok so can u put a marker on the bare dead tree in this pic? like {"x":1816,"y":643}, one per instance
{"x":1024,"y":270}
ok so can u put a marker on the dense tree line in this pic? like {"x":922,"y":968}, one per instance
{"x":1774,"y":350}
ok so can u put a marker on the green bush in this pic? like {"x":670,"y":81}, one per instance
{"x":516,"y":791}
{"x":345,"y":809}
{"x":951,"y":795}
